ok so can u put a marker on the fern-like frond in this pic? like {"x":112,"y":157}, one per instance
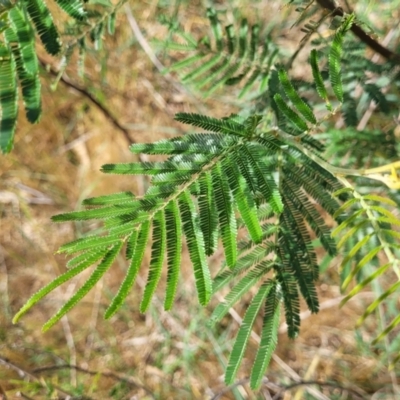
{"x":228,"y":57}
{"x":372,"y":223}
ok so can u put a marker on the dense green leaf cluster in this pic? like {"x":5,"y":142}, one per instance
{"x":20,"y":22}
{"x":258,"y":185}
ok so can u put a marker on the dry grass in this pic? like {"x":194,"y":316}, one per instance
{"x":54,"y":165}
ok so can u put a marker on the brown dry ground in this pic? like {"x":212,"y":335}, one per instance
{"x":175,"y":355}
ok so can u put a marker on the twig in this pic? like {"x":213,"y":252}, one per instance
{"x":82,"y":90}
{"x":372,"y":105}
{"x":360,"y":33}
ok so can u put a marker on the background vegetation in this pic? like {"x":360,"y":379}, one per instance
{"x":121,"y":97}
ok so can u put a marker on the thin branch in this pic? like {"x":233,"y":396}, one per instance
{"x":82,"y":90}
{"x":360,"y":33}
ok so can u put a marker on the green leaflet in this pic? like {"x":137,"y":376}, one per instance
{"x":366,"y":259}
{"x":115,"y":198}
{"x":388,"y":329}
{"x":299,"y":256}
{"x":243,"y":335}
{"x":43,"y":21}
{"x":90,"y":242}
{"x":243,"y":200}
{"x":226,"y":215}
{"x":269,"y":336}
{"x":208,"y":214}
{"x":335,"y":56}
{"x":157,"y":257}
{"x":73,"y":8}
{"x":133,"y":269}
{"x":381,"y":270}
{"x":149,"y":168}
{"x":225,"y":126}
{"x":302,"y":203}
{"x":216,"y":27}
{"x":372,"y":307}
{"x":174,"y":248}
{"x":8,"y":99}
{"x":90,"y":257}
{"x":290,"y":292}
{"x":99,"y":271}
{"x":227,"y":57}
{"x":318,"y":80}
{"x":290,"y":114}
{"x":266,"y":182}
{"x":195,"y":243}
{"x":237,"y":292}
{"x":78,"y":267}
{"x":21,"y":39}
{"x":294,"y":97}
